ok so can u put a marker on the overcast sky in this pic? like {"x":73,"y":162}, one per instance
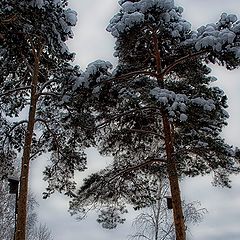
{"x":92,"y":42}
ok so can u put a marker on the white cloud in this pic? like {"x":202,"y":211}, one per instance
{"x":91,"y":40}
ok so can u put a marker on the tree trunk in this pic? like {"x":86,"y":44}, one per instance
{"x":23,"y":192}
{"x":174,"y":183}
{"x":171,"y":164}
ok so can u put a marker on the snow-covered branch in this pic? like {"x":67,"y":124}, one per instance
{"x":47,"y":83}
{"x":49,"y":94}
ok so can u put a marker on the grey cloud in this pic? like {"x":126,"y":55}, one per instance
{"x":222,"y":219}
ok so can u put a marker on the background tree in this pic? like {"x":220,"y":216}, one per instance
{"x":109,"y":191}
{"x":7,"y":213}
{"x":35,"y":75}
{"x":35,"y":231}
{"x":155,"y":221}
{"x":158,"y":106}
{"x":42,"y":233}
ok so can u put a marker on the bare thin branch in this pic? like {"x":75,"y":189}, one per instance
{"x":139,"y":236}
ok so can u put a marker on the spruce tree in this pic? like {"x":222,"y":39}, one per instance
{"x":34,"y":82}
{"x":157,"y":111}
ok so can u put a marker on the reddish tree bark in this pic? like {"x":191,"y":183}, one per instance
{"x":174,"y":182}
{"x":171,"y":164}
{"x":20,"y":233}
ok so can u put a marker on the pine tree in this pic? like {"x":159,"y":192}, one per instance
{"x":34,"y":82}
{"x":157,"y":109}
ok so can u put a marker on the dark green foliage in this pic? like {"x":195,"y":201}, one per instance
{"x":161,"y":71}
{"x":27,"y":29}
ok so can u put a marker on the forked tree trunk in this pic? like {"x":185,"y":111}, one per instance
{"x":20,"y":233}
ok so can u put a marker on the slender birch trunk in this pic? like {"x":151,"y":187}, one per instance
{"x":158,"y":206}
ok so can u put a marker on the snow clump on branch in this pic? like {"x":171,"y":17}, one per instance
{"x":37,"y":3}
{"x":134,"y":14}
{"x":97,"y":68}
{"x":177,"y":104}
{"x":221,"y":36}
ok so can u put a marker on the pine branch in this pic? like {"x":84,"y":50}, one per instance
{"x":101,"y":125}
{"x":28,"y":64}
{"x":49,"y":94}
{"x":129,"y":169}
{"x":47,"y":84}
{"x":59,"y":152}
{"x":132,"y":74}
{"x":181,"y":60}
{"x":11,"y":129}
{"x":38,"y":144}
{"x":52,"y":133}
{"x":10,"y":19}
{"x":143,"y":131}
{"x":14,"y":90}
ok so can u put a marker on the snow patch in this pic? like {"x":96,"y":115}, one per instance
{"x":37,"y":3}
{"x":70,"y":16}
{"x":97,"y":67}
{"x":183,"y":117}
{"x":208,"y":105}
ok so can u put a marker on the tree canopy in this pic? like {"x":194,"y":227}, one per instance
{"x":158,"y":110}
{"x":157,"y":113}
{"x":30,"y":30}
{"x":36,"y":74}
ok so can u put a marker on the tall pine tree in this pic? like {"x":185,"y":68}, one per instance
{"x":158,"y":109}
{"x":35,"y":76}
